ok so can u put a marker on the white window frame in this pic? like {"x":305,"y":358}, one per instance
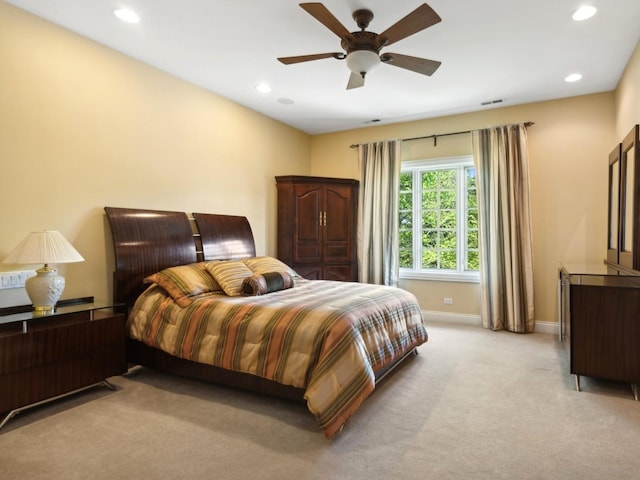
{"x":416,"y":166}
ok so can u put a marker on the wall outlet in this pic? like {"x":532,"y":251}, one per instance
{"x":447,"y":301}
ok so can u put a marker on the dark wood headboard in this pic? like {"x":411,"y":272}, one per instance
{"x":224,"y":236}
{"x":147,"y":241}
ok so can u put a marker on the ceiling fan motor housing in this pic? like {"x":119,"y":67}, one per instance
{"x":361,"y":41}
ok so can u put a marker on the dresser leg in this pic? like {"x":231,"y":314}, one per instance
{"x":634,"y":389}
{"x":14,"y":412}
{"x":578,"y":383}
{"x":8,"y":417}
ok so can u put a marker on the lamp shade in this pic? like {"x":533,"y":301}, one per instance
{"x":47,"y":246}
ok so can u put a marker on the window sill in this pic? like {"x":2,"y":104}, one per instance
{"x":441,"y":276}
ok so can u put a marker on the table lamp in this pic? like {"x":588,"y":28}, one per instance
{"x":48,"y":246}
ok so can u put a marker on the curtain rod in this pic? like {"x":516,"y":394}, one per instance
{"x":436,"y":135}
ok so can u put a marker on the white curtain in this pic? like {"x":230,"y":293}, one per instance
{"x":506,"y":252}
{"x":378,"y":212}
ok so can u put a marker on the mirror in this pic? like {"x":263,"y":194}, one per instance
{"x":629,"y":211}
{"x":614,"y":205}
{"x":629,"y":223}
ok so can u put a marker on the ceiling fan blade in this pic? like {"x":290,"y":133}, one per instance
{"x":325,"y":17}
{"x":415,"y":64}
{"x":308,"y":58}
{"x":355,"y":81}
{"x":421,"y":18}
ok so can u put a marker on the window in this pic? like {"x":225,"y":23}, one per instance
{"x":439,"y":220}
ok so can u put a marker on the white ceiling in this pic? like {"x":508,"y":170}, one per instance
{"x":515,"y":50}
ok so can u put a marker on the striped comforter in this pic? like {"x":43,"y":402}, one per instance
{"x":326,"y":337}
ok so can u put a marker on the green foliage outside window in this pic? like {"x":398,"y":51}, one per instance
{"x":406,"y":220}
{"x":439,"y":239}
{"x":439,"y":222}
{"x":473,"y":259}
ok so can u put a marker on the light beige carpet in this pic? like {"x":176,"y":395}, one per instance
{"x":474,"y":404}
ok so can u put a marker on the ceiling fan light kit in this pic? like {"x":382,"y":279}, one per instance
{"x":362,"y":61}
{"x":363,"y":47}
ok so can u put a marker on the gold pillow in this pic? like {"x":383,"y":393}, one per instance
{"x":229,"y":275}
{"x":184,"y":282}
{"x":265,"y":264}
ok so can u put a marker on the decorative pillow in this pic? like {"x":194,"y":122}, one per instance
{"x":184,"y":282}
{"x":229,"y":275}
{"x":260,"y":284}
{"x":268,"y":264}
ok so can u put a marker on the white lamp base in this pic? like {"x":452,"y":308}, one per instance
{"x":45,"y":289}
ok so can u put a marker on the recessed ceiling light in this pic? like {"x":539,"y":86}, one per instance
{"x":574,"y":77}
{"x":584,"y":12}
{"x":127,"y":15}
{"x":263,"y":88}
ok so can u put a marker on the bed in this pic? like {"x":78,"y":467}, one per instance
{"x":202,"y":304}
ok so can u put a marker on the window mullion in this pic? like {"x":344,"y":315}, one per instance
{"x":417,"y":219}
{"x":462,"y":221}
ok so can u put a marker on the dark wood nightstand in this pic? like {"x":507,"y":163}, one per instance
{"x":43,"y":358}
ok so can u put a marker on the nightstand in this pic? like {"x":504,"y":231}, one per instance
{"x":43,"y":358}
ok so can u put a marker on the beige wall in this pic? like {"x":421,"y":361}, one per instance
{"x":628,"y":96}
{"x":568,"y":147}
{"x":82,"y":126}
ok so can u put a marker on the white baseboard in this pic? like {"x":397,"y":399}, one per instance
{"x":447,"y":317}
{"x":474,"y":320}
{"x":551,"y":328}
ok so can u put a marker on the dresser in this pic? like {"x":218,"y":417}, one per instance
{"x":317,"y":226}
{"x":600,"y":318}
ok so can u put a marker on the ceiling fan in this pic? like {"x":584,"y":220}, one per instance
{"x":363,"y":48}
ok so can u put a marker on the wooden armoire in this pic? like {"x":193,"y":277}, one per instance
{"x":317,"y":219}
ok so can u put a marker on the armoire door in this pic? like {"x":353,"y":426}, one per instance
{"x":307,"y":223}
{"x":338,"y":223}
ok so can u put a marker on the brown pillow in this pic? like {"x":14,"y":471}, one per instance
{"x":184,"y":282}
{"x":261,"y":284}
{"x":229,"y":275}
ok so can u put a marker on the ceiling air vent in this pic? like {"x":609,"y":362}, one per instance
{"x":491,"y":102}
